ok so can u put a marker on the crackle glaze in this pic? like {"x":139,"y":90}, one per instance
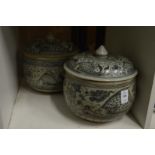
{"x":43,"y":64}
{"x":95,"y":95}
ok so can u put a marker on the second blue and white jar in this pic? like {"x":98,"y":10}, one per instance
{"x":43,"y":63}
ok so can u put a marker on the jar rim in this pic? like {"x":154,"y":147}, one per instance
{"x":48,"y":56}
{"x":99,"y":79}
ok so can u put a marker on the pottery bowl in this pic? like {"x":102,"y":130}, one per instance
{"x":99,"y":101}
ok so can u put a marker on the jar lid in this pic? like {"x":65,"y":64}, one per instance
{"x":50,"y":47}
{"x":100,"y":66}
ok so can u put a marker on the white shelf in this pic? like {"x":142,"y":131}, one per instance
{"x":36,"y":110}
{"x":153,"y":121}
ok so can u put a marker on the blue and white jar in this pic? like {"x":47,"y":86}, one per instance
{"x":43,"y":63}
{"x":99,"y":87}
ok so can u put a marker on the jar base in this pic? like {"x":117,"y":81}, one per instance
{"x":45,"y":91}
{"x":99,"y":120}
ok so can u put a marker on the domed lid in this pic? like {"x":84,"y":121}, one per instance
{"x":50,"y":46}
{"x":100,"y":66}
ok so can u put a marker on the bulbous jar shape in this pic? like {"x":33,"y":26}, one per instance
{"x":99,"y":88}
{"x":43,"y":63}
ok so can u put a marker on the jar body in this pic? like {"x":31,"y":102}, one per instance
{"x":99,"y":101}
{"x":44,"y":75}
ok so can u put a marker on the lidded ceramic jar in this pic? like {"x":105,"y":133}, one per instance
{"x":99,"y":87}
{"x":43,"y":63}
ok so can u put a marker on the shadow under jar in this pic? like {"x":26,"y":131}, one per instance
{"x":43,"y":63}
{"x":99,"y":87}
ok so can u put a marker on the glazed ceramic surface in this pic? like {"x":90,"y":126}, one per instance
{"x":43,"y":64}
{"x":98,"y":102}
{"x":99,"y":87}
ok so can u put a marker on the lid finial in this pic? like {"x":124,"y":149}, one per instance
{"x":101,"y":51}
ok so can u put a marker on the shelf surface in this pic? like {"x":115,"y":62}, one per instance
{"x":34,"y":110}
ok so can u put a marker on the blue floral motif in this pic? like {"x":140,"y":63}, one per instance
{"x":97,"y":104}
{"x":99,"y":95}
